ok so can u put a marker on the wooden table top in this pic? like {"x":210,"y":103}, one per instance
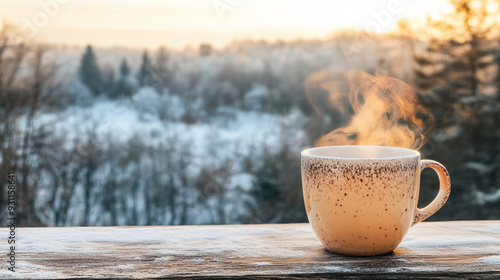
{"x":271,"y":251}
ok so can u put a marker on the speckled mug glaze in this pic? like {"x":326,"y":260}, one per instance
{"x":361,"y":200}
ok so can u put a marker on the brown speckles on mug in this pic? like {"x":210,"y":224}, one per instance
{"x":377,"y":197}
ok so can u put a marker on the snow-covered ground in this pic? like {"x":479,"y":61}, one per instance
{"x":121,"y":121}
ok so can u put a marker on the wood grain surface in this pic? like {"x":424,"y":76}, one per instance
{"x":442,"y":250}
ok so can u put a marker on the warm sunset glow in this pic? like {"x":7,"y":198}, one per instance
{"x":185,"y":112}
{"x":179,"y":23}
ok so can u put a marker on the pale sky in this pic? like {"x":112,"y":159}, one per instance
{"x":177,"y":23}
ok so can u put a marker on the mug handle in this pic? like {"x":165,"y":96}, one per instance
{"x":442,"y":196}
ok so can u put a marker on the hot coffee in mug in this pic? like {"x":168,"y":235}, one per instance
{"x":361,"y":200}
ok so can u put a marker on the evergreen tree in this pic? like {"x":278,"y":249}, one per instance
{"x":124,"y":69}
{"x":161,"y":69}
{"x":452,"y":78}
{"x":123,"y":87}
{"x":89,"y":72}
{"x":146,"y":75}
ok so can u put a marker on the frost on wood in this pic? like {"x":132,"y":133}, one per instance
{"x":445,"y":249}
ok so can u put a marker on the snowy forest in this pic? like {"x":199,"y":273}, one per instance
{"x":205,"y":135}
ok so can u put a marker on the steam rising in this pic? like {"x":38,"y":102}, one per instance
{"x":374,"y":110}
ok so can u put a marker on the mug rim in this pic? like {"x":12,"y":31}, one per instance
{"x":313,"y":152}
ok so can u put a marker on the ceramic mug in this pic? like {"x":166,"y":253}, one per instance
{"x":361,"y":200}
